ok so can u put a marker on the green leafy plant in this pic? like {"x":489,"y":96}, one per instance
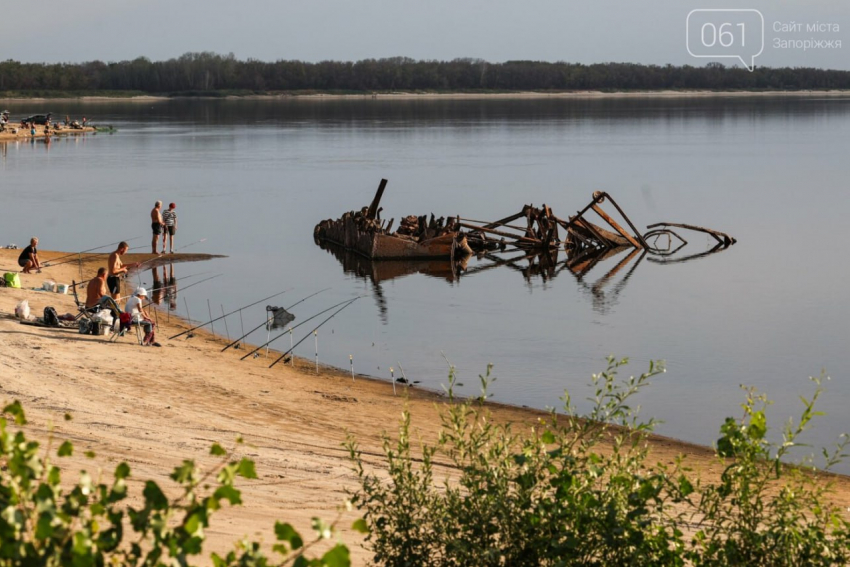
{"x":580,"y":490}
{"x":766,"y":512}
{"x":91,"y":524}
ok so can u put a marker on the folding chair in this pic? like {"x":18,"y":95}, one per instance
{"x":120,"y":328}
{"x":88,"y":313}
{"x":83,"y":312}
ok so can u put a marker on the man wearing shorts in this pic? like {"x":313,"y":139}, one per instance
{"x":156,"y":227}
{"x":117,"y":270}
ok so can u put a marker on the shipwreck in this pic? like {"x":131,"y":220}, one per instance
{"x":532,"y":230}
{"x":363,"y":232}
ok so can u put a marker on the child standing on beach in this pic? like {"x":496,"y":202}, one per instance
{"x":169,"y":219}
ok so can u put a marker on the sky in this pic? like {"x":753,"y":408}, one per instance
{"x":649,"y":31}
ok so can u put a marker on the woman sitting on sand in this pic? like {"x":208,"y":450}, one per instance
{"x":28,"y":259}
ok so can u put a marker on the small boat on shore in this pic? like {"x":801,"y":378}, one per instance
{"x":363,"y":232}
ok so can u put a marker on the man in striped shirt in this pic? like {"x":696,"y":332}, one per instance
{"x":169,"y":220}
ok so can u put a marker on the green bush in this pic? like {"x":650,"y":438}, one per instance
{"x":91,"y":526}
{"x":579,"y":490}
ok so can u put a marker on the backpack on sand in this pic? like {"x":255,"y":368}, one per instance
{"x":51,"y":318}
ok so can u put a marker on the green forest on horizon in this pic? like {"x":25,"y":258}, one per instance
{"x":210,"y":74}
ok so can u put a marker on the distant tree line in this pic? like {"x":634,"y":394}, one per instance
{"x":210,"y":72}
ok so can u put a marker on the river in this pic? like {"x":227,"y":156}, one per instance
{"x":253,"y":177}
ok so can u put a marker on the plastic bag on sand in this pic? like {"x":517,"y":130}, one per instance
{"x":22,"y":310}
{"x":104,"y":317}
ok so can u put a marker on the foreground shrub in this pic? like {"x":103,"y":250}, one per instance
{"x":90,"y":525}
{"x":580,"y":491}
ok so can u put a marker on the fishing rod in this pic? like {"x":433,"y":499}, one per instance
{"x":90,"y":256}
{"x":159,"y":257}
{"x":192,"y":285}
{"x":335,"y":313}
{"x":231,"y":313}
{"x":166,"y":286}
{"x":266,"y":322}
{"x":85,"y":282}
{"x":50,"y":264}
{"x":296,"y":326}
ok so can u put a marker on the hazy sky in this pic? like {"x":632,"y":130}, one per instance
{"x":651,"y":31}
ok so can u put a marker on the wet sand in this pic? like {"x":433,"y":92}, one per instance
{"x":154,"y":407}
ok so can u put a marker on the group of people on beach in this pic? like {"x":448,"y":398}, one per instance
{"x":163,"y":223}
{"x":28,"y":125}
{"x":104,"y":290}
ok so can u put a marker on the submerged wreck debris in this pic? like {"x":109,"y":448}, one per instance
{"x":528,"y":240}
{"x":584,"y":237}
{"x":365,"y":233}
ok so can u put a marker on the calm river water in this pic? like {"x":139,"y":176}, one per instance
{"x":254,"y":177}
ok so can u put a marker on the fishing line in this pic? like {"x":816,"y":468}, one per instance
{"x":89,"y":250}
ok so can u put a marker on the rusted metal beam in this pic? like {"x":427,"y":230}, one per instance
{"x":598,"y":210}
{"x":500,"y":233}
{"x":610,"y":238}
{"x":506,"y":220}
{"x":497,"y":224}
{"x":373,"y":208}
{"x":602,"y":196}
{"x":721,"y":237}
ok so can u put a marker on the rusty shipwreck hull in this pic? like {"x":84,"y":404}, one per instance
{"x":347,"y":233}
{"x":363,"y":232}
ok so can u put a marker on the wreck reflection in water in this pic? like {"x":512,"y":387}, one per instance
{"x":620,"y":264}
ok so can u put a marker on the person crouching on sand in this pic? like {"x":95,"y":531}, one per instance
{"x":136,"y":308}
{"x":117,"y":270}
{"x":28,"y":259}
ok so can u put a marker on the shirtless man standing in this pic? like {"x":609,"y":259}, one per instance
{"x":156,"y":227}
{"x":116,"y":270}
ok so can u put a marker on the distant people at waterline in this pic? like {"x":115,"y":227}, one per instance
{"x":169,"y":219}
{"x":157,"y":227}
{"x":28,"y":259}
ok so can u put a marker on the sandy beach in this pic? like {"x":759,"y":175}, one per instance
{"x":14,"y":132}
{"x":154,"y":407}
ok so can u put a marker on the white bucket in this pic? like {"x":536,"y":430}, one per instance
{"x":48,"y":285}
{"x":61,"y":288}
